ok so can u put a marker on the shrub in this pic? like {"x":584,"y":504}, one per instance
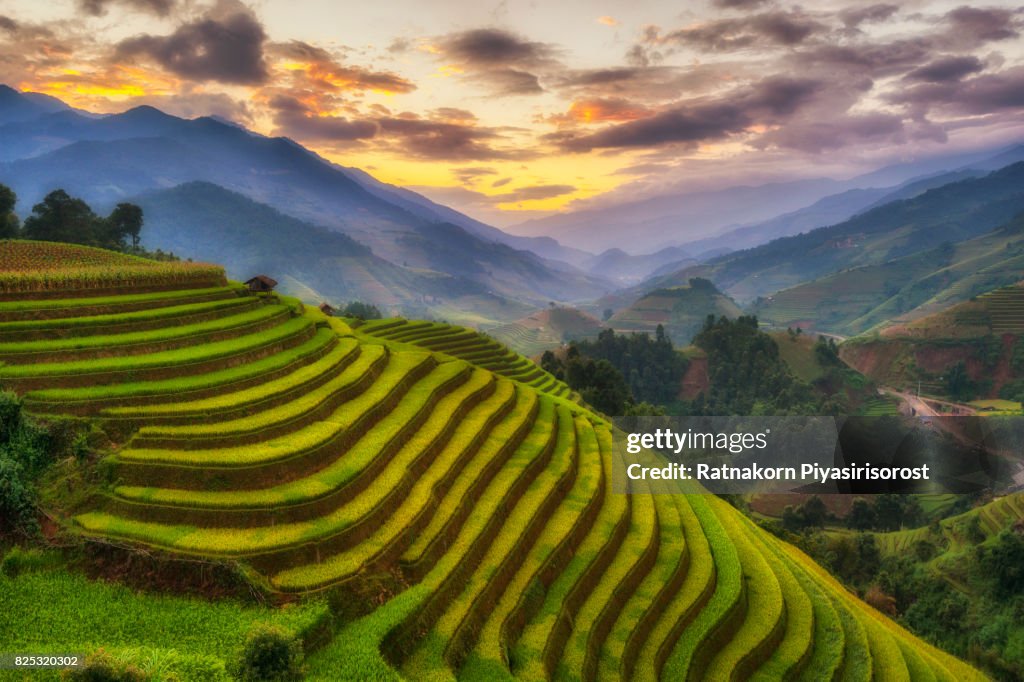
{"x":18,"y":561}
{"x":102,"y":667}
{"x":269,"y":654}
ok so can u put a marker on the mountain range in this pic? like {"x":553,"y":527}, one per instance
{"x":137,"y":154}
{"x":211,"y":189}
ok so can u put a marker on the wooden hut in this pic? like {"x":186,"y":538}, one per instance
{"x":327,"y":309}
{"x":261,"y":284}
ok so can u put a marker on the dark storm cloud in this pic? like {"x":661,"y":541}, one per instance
{"x":737,"y":4}
{"x":491,"y":48}
{"x":767,"y":28}
{"x":770,"y":100}
{"x":946,"y":69}
{"x":226,"y":48}
{"x":984,"y":94}
{"x":295,"y":119}
{"x":855,"y":16}
{"x":869,"y":59}
{"x":8,"y":24}
{"x":98,"y":8}
{"x":500,"y":61}
{"x":976,"y":26}
{"x":441,"y":140}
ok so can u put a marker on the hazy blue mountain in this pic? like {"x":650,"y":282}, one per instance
{"x":745,"y":215}
{"x":110,"y":158}
{"x":201,"y":220}
{"x":952,"y":213}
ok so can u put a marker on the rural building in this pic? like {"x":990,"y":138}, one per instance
{"x":261,"y":283}
{"x":327,"y":309}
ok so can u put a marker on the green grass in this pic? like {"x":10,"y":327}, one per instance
{"x":180,"y":358}
{"x":56,"y":611}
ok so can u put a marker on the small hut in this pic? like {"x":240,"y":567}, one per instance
{"x":327,"y":309}
{"x":261,"y":284}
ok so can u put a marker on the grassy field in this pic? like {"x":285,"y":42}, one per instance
{"x":451,"y":499}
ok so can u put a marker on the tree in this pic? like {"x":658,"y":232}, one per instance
{"x":8,"y":219}
{"x":958,"y":383}
{"x":125,"y":221}
{"x":607,"y":315}
{"x":361,"y":311}
{"x":60,"y":217}
{"x":269,"y":653}
{"x":861,"y":516}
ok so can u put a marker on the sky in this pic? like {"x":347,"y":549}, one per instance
{"x":512,"y":110}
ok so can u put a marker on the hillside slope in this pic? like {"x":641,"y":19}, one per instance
{"x":982,"y":336}
{"x":681,"y":310}
{"x":107,"y":159}
{"x":546,"y":329}
{"x":201,"y":219}
{"x":951,"y":213}
{"x":463,"y":518}
{"x":856,"y":300}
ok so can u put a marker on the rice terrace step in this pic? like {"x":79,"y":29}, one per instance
{"x":321,"y":458}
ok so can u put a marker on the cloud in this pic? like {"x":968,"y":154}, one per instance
{"x":498,"y":60}
{"x":608,"y":21}
{"x":600,"y":110}
{"x":98,"y":8}
{"x":817,"y":135}
{"x":399,"y":45}
{"x":704,"y":120}
{"x":8,"y":24}
{"x":855,"y":16}
{"x":501,"y":182}
{"x":439,"y":140}
{"x":875,"y":60}
{"x":226,"y":46}
{"x":946,"y":69}
{"x":531,"y":193}
{"x":470,"y":174}
{"x":295,"y":119}
{"x":316,"y":68}
{"x":509,"y":82}
{"x":975,"y":26}
{"x":758,"y":30}
{"x":737,"y":4}
{"x":985,"y":94}
{"x":491,"y":48}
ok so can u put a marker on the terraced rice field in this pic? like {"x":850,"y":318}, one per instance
{"x":880,"y":406}
{"x":470,"y":346}
{"x":529,"y":341}
{"x":1006,"y":309}
{"x":435,"y":462}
